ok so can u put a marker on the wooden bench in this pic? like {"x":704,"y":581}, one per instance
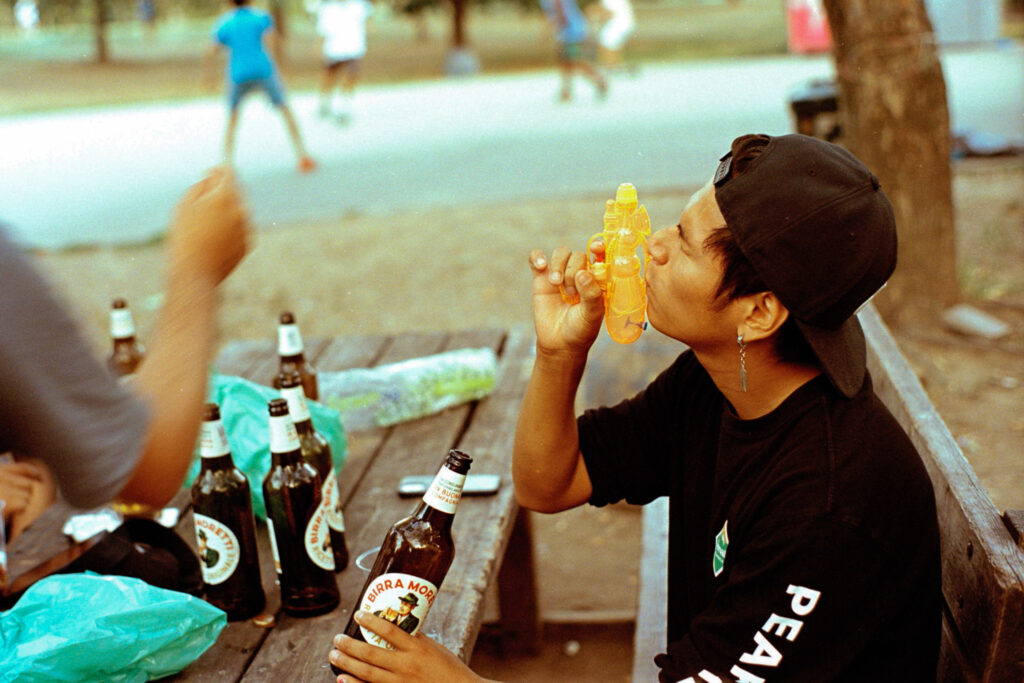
{"x":982,"y":558}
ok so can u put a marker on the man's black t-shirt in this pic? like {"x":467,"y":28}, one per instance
{"x":803,"y":545}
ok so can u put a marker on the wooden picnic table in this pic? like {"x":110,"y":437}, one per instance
{"x":492,"y":535}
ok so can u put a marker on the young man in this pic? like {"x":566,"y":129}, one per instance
{"x":803,"y":539}
{"x":242,"y":32}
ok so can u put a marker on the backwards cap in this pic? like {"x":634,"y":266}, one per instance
{"x":816,"y":226}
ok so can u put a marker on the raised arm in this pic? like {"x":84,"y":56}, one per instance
{"x":547,"y":467}
{"x":207,"y":239}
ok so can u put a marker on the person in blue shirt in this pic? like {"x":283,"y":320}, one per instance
{"x":573,"y":37}
{"x":245,"y":32}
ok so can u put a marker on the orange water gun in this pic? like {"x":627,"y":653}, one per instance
{"x":620,"y":270}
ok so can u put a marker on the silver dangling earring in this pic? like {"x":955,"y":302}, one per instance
{"x":743,"y":362}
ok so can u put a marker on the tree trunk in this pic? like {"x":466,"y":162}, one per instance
{"x":893,"y":116}
{"x":458,"y":23}
{"x":100,"y":30}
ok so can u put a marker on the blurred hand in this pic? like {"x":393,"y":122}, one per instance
{"x":18,"y":481}
{"x":563,"y":326}
{"x":415,"y":659}
{"x":210,"y":230}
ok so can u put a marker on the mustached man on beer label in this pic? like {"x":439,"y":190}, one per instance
{"x":402,"y":599}
{"x":219,"y":550}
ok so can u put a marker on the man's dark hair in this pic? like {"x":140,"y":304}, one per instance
{"x":738,"y":276}
{"x":240,"y":3}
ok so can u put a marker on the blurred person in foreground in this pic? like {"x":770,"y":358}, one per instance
{"x":803,"y":538}
{"x":61,"y":407}
{"x":248,"y":35}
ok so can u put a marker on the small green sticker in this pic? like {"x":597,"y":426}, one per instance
{"x":721,"y":545}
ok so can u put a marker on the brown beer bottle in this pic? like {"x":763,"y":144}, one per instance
{"x":225,"y":529}
{"x":414,"y":557}
{"x":296,"y":519}
{"x":317,"y":452}
{"x":292,"y":358}
{"x":127,"y":352}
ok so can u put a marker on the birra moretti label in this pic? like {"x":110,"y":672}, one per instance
{"x":318,"y":538}
{"x":219,"y":550}
{"x":402,"y":599}
{"x":332,"y":503}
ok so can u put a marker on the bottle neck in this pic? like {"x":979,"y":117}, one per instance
{"x":122,"y":325}
{"x":298,"y":408}
{"x":442,"y":498}
{"x":213,"y":440}
{"x":289,"y":341}
{"x":284,"y":440}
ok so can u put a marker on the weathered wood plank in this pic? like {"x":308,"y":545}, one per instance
{"x":982,"y":567}
{"x":649,"y":638}
{"x":498,"y":532}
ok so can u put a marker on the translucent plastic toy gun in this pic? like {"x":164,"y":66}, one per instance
{"x":620,"y":271}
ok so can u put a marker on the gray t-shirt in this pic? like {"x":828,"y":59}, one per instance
{"x":57,"y":401}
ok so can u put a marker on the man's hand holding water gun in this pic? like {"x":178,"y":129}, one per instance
{"x":569,"y":303}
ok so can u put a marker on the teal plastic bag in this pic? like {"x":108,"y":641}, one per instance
{"x":243,"y":409}
{"x":114,"y":629}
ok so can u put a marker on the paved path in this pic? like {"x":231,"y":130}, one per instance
{"x":113,"y":175}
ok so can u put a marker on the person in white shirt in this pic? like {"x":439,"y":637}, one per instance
{"x":342,"y":25}
{"x":614,"y":32}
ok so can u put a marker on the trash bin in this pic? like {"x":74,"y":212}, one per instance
{"x":816,"y":109}
{"x":807,"y":26}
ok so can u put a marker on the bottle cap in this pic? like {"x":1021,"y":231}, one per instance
{"x":277,"y":407}
{"x":211,"y":412}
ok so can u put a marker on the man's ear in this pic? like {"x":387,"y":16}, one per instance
{"x":764,"y":315}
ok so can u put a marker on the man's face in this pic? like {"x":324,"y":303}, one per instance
{"x":404,"y":608}
{"x":683,"y":276}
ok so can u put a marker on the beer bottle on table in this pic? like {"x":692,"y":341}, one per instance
{"x":414,"y":557}
{"x":292,"y":358}
{"x":124,"y":359}
{"x":296,"y":519}
{"x":225,"y":529}
{"x":317,"y":452}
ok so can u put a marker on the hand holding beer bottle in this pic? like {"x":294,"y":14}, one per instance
{"x":414,"y":558}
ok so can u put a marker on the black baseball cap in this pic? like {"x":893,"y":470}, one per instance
{"x":816,"y":226}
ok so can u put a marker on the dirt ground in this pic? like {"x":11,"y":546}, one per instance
{"x":465,"y":267}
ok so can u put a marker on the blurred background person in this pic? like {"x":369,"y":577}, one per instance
{"x":248,"y":34}
{"x":573,"y":37}
{"x":618,"y":26}
{"x":342,"y":26}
